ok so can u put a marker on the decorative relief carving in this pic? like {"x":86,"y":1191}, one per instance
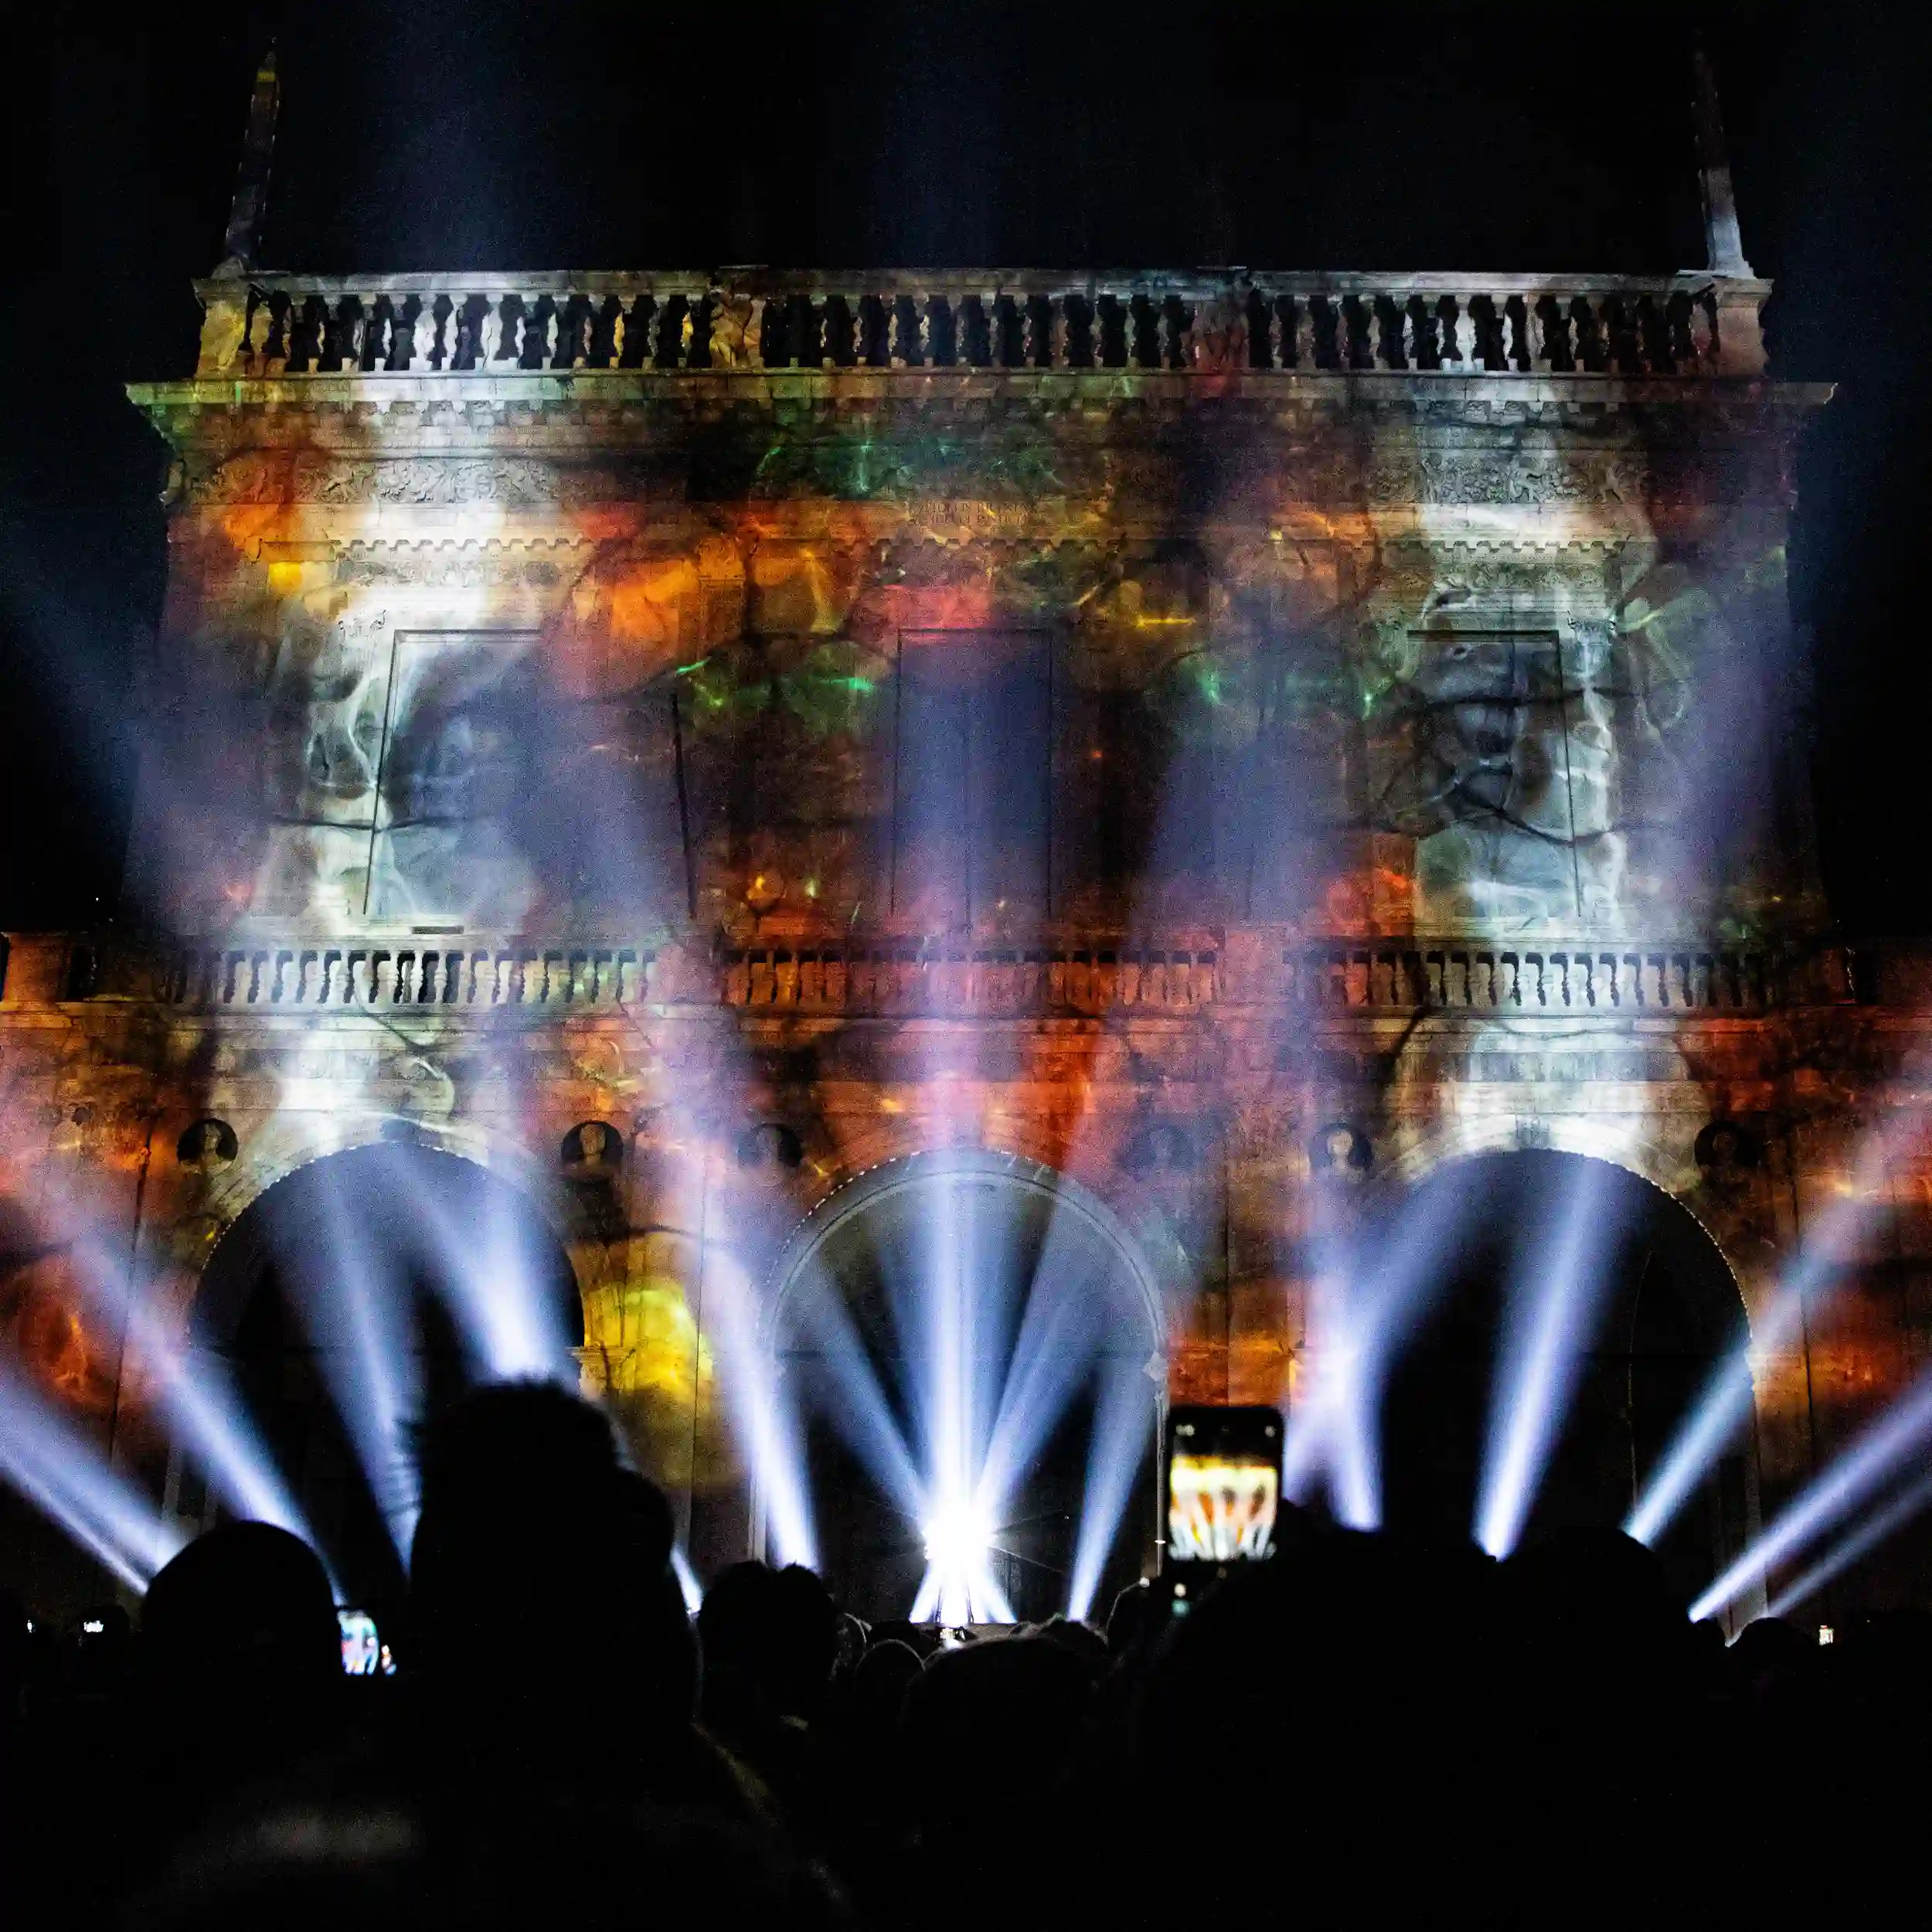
{"x":1504,"y":475}
{"x":311,"y":476}
{"x":465,"y":566}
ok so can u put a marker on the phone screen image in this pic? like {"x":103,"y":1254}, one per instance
{"x":1223,"y":1484}
{"x":364,"y":1653}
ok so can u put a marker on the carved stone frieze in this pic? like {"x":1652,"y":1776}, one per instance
{"x":307,"y":476}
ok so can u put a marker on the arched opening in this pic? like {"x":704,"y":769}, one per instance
{"x":1662,"y":1309}
{"x":352,"y":1300}
{"x":982,"y":1300}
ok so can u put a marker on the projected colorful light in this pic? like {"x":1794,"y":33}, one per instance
{"x":707,"y":708}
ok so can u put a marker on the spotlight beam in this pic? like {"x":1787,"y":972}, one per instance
{"x":366,"y":1357}
{"x":1724,"y":1406}
{"x":1051,"y":1357}
{"x":65,"y":1477}
{"x":1113,"y":1459}
{"x":861,"y":1414}
{"x":483,"y":1276}
{"x":1834,"y":1494}
{"x":1885,"y":1522}
{"x":1551,"y":1316}
{"x":198,"y":1397}
{"x":1337,"y":1428}
{"x":765,"y":1423}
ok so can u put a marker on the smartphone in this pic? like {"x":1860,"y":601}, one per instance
{"x":364,"y":1653}
{"x":1223,"y":1485}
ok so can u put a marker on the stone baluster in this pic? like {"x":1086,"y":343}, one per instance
{"x":304,"y":333}
{"x":1298,"y":344}
{"x":1057,"y":354}
{"x":255,"y":333}
{"x":977,"y":348}
{"x":1553,"y":327}
{"x":1452,"y":332}
{"x":401,"y":332}
{"x":490,"y":338}
{"x":1419,"y":335}
{"x":639,"y":332}
{"x":423,"y":337}
{"x":1177,"y":333}
{"x":1703,"y":328}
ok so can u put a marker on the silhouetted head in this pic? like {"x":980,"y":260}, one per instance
{"x":807,"y":1642}
{"x":239,"y":1665}
{"x":1606,"y":1645}
{"x":1340,"y":1691}
{"x":1079,"y":1640}
{"x":542,"y":1563}
{"x":879,"y":1684}
{"x":1130,"y":1622}
{"x":245,"y":1609}
{"x":738,"y":1629}
{"x":1769,"y":1644}
{"x":990,"y":1729}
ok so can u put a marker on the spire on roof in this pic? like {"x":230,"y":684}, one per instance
{"x":250,"y":203}
{"x":1723,"y":243}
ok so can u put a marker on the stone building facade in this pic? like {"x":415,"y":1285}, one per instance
{"x":693,"y":744}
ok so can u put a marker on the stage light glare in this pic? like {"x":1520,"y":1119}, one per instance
{"x":1837,"y":1491}
{"x":1866,"y":1537}
{"x":957,"y":1537}
{"x":1552,"y":1314}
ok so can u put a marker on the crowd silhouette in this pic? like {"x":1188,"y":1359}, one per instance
{"x":1363,"y":1732}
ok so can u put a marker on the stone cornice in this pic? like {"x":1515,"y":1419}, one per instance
{"x":629,"y":405}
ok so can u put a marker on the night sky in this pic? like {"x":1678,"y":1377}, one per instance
{"x":1452,"y":136}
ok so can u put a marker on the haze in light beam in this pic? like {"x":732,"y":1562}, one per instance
{"x":1551,"y":1315}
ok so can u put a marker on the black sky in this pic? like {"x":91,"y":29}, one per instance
{"x":1454,"y":136}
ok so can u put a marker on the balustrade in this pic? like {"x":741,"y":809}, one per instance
{"x":887,"y":978}
{"x":1552,"y":979}
{"x":279,"y":326}
{"x":348,"y":975}
{"x":1532,"y":980}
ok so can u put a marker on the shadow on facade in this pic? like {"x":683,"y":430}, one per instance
{"x":389,"y":1222}
{"x":1669,"y":1310}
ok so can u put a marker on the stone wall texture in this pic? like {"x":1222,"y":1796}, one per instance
{"x":1151,"y":770}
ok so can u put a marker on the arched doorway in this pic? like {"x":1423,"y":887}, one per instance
{"x":353,"y":1299}
{"x":1662,"y":1308}
{"x":977,"y":1310}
